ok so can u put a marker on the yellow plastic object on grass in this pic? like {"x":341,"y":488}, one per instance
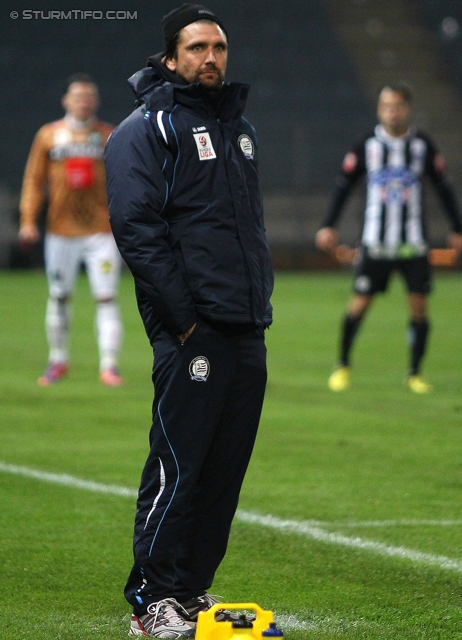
{"x":209,"y":629}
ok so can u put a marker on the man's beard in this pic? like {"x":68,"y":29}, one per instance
{"x":213,"y":85}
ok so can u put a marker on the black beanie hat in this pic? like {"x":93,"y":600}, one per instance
{"x":184,"y":15}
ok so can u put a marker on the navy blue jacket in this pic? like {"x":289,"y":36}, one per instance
{"x":185,"y":205}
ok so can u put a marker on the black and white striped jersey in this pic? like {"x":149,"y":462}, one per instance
{"x":394,"y":169}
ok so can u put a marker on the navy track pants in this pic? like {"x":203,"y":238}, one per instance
{"x":207,"y":405}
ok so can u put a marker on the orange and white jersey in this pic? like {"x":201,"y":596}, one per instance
{"x":66,"y":166}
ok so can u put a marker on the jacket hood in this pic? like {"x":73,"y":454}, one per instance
{"x":151,"y":77}
{"x":156,"y":63}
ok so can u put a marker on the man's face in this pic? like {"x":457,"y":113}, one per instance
{"x":202,"y":55}
{"x":81,"y":100}
{"x":393,"y":112}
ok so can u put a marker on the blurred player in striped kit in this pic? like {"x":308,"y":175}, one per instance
{"x":66,"y":167}
{"x":394,"y":159}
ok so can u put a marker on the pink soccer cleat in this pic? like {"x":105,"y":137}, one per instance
{"x":54,"y":371}
{"x":111,"y":377}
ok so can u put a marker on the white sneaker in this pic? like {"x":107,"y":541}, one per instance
{"x":162,"y":620}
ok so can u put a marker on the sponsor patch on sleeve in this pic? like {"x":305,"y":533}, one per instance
{"x":204,"y":146}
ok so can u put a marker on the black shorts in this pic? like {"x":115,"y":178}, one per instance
{"x":372,"y":275}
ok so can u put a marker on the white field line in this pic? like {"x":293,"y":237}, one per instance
{"x":332,"y":623}
{"x":393,"y":523}
{"x":68,"y":481}
{"x":316,"y":533}
{"x":307,"y":529}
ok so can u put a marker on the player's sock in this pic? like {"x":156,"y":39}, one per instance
{"x":349,"y":330}
{"x":109,"y":333}
{"x":57,"y":329}
{"x":417,"y":337}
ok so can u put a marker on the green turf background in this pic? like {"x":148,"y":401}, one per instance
{"x":372,"y":454}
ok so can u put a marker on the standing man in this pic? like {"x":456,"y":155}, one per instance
{"x":394,"y":159}
{"x":66,"y":166}
{"x":186,"y":212}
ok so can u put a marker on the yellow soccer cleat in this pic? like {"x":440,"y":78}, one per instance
{"x":340,"y":379}
{"x":417,"y":384}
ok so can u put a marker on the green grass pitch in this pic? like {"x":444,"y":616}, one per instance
{"x":374,"y":474}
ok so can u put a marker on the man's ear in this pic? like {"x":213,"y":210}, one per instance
{"x":170,"y":63}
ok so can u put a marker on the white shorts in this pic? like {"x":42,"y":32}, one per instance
{"x":98,"y":252}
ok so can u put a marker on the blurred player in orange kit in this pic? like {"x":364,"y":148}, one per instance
{"x":66,"y":167}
